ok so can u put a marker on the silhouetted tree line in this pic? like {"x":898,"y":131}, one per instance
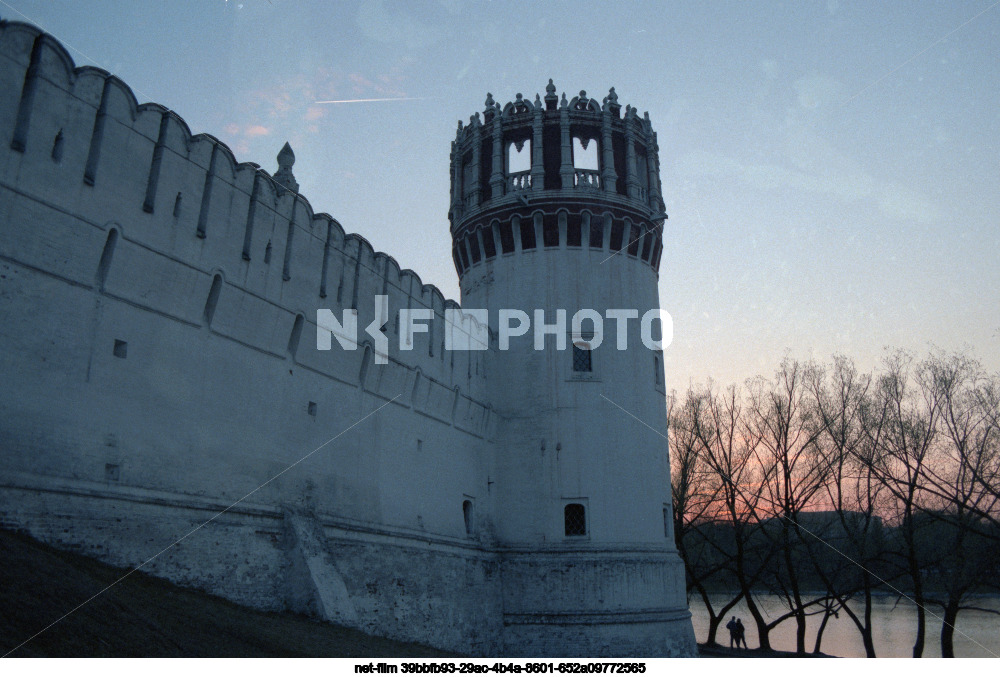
{"x":824,"y":485}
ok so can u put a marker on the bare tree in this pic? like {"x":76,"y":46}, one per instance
{"x":730,"y":454}
{"x":854,"y":494}
{"x":845,"y":481}
{"x":962,"y":483}
{"x":695,"y":493}
{"x":901,"y":426}
{"x":793,"y":472}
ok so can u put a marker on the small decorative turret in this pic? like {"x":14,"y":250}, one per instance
{"x":284,"y":177}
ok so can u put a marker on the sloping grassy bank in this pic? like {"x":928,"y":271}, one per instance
{"x":147,"y":616}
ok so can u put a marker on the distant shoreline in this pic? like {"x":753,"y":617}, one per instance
{"x":720,"y":651}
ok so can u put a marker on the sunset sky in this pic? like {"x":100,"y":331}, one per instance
{"x":831,"y":169}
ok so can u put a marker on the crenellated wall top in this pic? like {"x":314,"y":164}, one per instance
{"x":42,"y":57}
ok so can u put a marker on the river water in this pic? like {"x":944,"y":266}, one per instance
{"x":894,"y":626}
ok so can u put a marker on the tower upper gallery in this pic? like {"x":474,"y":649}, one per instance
{"x":555,"y":172}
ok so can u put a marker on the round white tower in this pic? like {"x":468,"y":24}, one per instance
{"x":556,"y":208}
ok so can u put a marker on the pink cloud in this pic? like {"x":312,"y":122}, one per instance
{"x":385,"y":85}
{"x":257,"y":130}
{"x":361,"y":83}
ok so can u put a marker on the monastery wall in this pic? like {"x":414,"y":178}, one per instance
{"x":159,"y":364}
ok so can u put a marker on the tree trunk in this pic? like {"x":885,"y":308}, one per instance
{"x":866,"y":631}
{"x":918,"y":598}
{"x":763,"y":632}
{"x":713,"y":630}
{"x":763,"y":639}
{"x":800,"y":629}
{"x":800,"y":614}
{"x":822,"y":627}
{"x":948,"y":629}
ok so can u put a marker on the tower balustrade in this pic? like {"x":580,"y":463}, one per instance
{"x":615,"y":207}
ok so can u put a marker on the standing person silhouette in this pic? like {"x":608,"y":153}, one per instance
{"x":732,"y":628}
{"x":741,"y":633}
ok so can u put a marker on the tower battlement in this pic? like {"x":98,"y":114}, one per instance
{"x":522,"y":178}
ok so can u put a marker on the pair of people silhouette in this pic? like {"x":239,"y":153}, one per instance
{"x":737,"y":633}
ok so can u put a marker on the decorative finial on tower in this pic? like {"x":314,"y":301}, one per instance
{"x":550,"y":96}
{"x":491,"y":108}
{"x":284,"y":177}
{"x":611,"y":105}
{"x":538,"y":102}
{"x":286,"y":157}
{"x":564,"y":103}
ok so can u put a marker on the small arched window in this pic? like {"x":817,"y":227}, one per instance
{"x":469,"y":516}
{"x":489,"y":244}
{"x":519,"y":156}
{"x":597,"y":232}
{"x":474,"y":247}
{"x":585,"y":155}
{"x":506,"y":237}
{"x":617,"y":235}
{"x":575,"y":518}
{"x":574,"y":230}
{"x":550,"y":230}
{"x":366,"y":361}
{"x":527,"y":234}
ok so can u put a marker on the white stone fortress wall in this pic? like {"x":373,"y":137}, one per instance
{"x":158,"y":304}
{"x":158,"y":361}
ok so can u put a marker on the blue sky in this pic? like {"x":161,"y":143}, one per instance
{"x":831,"y":169}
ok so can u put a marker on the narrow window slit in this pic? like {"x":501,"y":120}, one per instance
{"x":213,"y":300}
{"x":57,"y":147}
{"x":104,"y":266}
